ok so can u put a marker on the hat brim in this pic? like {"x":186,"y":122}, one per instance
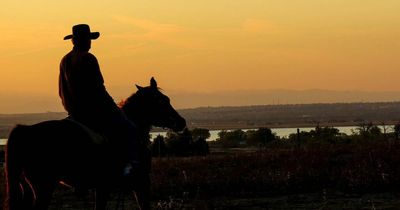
{"x":93,"y":35}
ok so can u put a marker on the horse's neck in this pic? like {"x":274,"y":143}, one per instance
{"x":134,"y":112}
{"x":143,"y":129}
{"x":143,"y":133}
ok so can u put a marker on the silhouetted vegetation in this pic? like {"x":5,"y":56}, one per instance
{"x":322,"y":160}
{"x":193,"y":142}
{"x":356,"y":168}
{"x":187,"y":143}
{"x":397,"y":131}
{"x":200,"y":133}
{"x":261,"y":136}
{"x":158,"y":147}
{"x":234,"y":138}
{"x":240,"y":138}
{"x":365,"y":132}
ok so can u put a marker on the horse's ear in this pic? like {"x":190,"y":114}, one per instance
{"x":153,"y":83}
{"x":139,"y":87}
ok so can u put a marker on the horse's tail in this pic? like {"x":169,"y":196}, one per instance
{"x":14,"y":169}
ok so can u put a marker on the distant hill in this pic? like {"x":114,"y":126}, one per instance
{"x":278,"y":97}
{"x":294,"y":115}
{"x":23,"y":102}
{"x":8,"y":121}
{"x":30,"y":118}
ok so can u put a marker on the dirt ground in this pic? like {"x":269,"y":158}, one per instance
{"x":314,"y":201}
{"x":68,"y":200}
{"x":293,"y":202}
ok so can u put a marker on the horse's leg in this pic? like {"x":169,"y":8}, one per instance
{"x":142,"y":192}
{"x":28,"y":194}
{"x":14,"y":170}
{"x":15,"y":192}
{"x":43,"y":190}
{"x":143,"y":199}
{"x":101,"y":196}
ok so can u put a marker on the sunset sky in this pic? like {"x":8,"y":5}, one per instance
{"x":201,"y":46}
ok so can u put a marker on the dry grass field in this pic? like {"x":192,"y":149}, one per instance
{"x":354,"y":176}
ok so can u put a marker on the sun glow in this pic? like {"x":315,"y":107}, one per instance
{"x":202,"y":46}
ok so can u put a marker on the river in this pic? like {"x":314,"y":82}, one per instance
{"x":282,"y":132}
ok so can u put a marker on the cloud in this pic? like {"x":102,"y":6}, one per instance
{"x":145,"y":36}
{"x":259,"y":26}
{"x":146,"y":31}
{"x":148,"y":25}
{"x":20,"y":40}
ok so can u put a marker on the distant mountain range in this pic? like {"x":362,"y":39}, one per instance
{"x":230,"y":117}
{"x":293,"y":115}
{"x":279,"y":97}
{"x":37,"y":103}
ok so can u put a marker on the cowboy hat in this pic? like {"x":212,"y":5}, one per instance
{"x":82,"y":31}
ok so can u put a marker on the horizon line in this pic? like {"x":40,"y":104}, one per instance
{"x":231,"y":106}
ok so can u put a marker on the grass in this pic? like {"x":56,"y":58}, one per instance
{"x":319,"y":176}
{"x":349,"y":168}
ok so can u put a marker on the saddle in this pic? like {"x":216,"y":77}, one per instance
{"x":95,"y":137}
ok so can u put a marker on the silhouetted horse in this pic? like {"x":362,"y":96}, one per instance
{"x":40,"y":156}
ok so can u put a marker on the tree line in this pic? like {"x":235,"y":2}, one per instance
{"x":194,"y":142}
{"x":188,"y":143}
{"x":365,"y":131}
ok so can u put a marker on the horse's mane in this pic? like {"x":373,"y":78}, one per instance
{"x":121,"y":103}
{"x":126,"y":102}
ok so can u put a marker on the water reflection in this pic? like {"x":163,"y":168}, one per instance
{"x":283,"y":132}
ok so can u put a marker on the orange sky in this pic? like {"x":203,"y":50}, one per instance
{"x":206,"y":46}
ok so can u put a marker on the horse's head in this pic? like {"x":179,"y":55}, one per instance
{"x":152,"y":108}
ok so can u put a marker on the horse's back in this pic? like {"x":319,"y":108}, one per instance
{"x":56,"y":136}
{"x":58,"y":147}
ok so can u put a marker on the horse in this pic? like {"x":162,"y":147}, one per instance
{"x":40,"y":156}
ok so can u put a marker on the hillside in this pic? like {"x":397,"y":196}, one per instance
{"x":8,"y":121}
{"x":292,"y":115}
{"x":255,"y":116}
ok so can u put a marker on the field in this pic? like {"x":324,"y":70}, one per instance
{"x":345,"y":176}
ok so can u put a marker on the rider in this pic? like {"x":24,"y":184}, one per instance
{"x":85,"y":98}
